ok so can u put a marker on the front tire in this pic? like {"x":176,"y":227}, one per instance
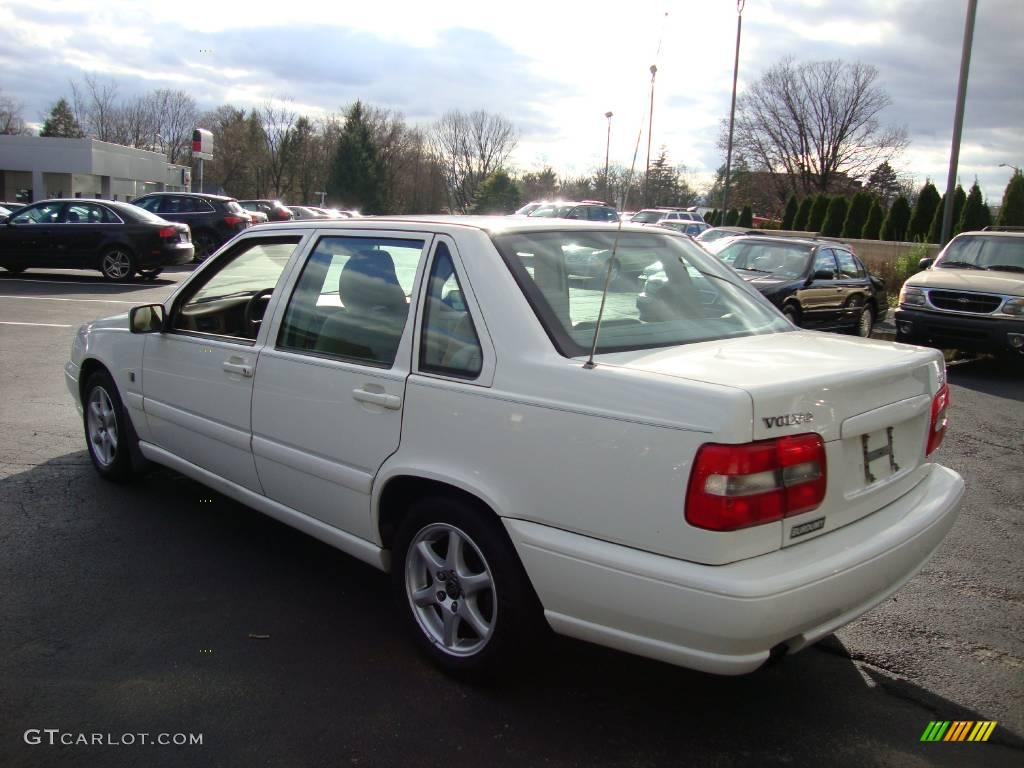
{"x":204,"y":244}
{"x":461,"y":589}
{"x":106,"y":428}
{"x":792,"y":314}
{"x":117,"y":263}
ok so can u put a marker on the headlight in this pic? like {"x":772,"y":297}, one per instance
{"x":1014,"y":307}
{"x":912,"y":296}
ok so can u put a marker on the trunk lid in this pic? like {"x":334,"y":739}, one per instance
{"x":869,"y":400}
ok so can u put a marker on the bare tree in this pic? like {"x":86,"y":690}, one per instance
{"x":811,"y":124}
{"x":468,"y":148}
{"x":11,"y":122}
{"x":135,"y":123}
{"x":279,"y":132}
{"x":175,"y":116}
{"x":96,"y":108}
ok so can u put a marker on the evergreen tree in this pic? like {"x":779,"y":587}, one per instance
{"x":976,"y":214}
{"x":803,"y":214}
{"x":856,"y":216}
{"x":935,"y":230}
{"x":355,"y":178}
{"x":711,"y":216}
{"x":1011,"y":213}
{"x":62,"y":122}
{"x":732,"y":217}
{"x":819,"y":210}
{"x":498,"y":193}
{"x":924,"y":211}
{"x":835,"y":217}
{"x":883,"y":182}
{"x":873,"y":225}
{"x":895,"y":226}
{"x":790,"y":213}
{"x":746,"y":217}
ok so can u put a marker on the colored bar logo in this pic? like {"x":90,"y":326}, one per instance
{"x":958,"y":730}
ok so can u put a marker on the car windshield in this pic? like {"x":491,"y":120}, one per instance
{"x":647,"y":217}
{"x":984,"y":252}
{"x":779,"y":259}
{"x":696,"y":297}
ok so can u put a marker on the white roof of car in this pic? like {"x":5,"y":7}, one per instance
{"x":483,"y":223}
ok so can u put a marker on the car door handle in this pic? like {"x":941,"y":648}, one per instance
{"x":383,"y":399}
{"x":243,"y":369}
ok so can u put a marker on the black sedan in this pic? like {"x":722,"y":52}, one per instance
{"x":817,"y":284}
{"x":115,"y":238}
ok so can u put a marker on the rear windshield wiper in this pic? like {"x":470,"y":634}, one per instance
{"x":1006,"y":267}
{"x":959,"y":265}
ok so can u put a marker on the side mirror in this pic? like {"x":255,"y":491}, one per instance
{"x":823,"y":274}
{"x":146,"y":319}
{"x":925,"y":263}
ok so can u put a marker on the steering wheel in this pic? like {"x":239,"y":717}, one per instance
{"x":252,"y":322}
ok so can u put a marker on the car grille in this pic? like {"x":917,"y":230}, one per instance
{"x":954,"y":301}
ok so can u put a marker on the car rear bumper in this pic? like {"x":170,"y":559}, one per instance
{"x":167,"y":255}
{"x":730,"y":619}
{"x":949,"y":331}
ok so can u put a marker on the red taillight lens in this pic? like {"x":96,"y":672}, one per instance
{"x":282,"y":215}
{"x":939,"y":420}
{"x":233,"y":221}
{"x":167,"y":232}
{"x":737,"y":486}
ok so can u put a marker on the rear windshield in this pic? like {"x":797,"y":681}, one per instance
{"x":141,"y":214}
{"x":648,"y":217}
{"x":666,"y":292}
{"x":1002,"y":254}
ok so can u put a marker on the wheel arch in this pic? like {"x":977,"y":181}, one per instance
{"x":92,"y":365}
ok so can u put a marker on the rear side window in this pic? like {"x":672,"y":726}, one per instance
{"x":151,"y":204}
{"x":449,"y":344}
{"x":352,"y":300}
{"x":824,"y":265}
{"x":177,"y":204}
{"x":848,"y":269}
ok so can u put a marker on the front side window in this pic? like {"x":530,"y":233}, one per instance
{"x":450,"y":344}
{"x":44,"y":213}
{"x":824,"y":265}
{"x":89,"y":213}
{"x":684,"y":294}
{"x":352,"y":299}
{"x":230,"y":298}
{"x":177,"y":204}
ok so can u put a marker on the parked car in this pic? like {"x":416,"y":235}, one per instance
{"x":258,"y":217}
{"x":716,"y":488}
{"x":334,"y":213}
{"x":530,"y":207}
{"x":116,"y":238}
{"x":213,"y":219}
{"x":4,"y":213}
{"x":306,"y":212}
{"x":656,"y":215}
{"x":971,"y":298}
{"x":817,"y":284}
{"x":718,"y":233}
{"x":587,"y":210}
{"x":275,"y":210}
{"x":691,"y":228}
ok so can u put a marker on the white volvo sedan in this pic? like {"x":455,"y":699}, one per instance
{"x":714,"y":488}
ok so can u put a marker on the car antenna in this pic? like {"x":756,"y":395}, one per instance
{"x":611,"y":259}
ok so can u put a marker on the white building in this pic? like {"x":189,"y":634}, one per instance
{"x":37,"y":167}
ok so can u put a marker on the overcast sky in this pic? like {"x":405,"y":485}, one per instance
{"x":554,"y":68}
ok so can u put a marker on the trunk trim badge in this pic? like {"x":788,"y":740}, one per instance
{"x":805,"y":528}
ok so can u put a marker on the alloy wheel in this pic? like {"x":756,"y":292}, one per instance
{"x":117,"y":265}
{"x":101,"y":424}
{"x":450,"y":588}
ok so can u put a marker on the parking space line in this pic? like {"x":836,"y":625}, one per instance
{"x":58,"y":298}
{"x":94,"y":284}
{"x":41,"y":325}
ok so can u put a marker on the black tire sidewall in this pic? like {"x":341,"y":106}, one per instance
{"x":121,"y":468}
{"x":518,"y":611}
{"x":860,"y":319}
{"x":792,"y":314}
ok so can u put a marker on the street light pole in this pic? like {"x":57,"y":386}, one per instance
{"x":958,"y":121}
{"x":1016,"y":170}
{"x":650,"y":124}
{"x":732,"y":109}
{"x":607,"y":146}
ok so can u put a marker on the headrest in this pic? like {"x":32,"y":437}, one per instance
{"x":368,"y":283}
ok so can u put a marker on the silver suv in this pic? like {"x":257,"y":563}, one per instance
{"x":971,"y":298}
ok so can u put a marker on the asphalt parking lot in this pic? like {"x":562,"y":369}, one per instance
{"x":162,"y":607}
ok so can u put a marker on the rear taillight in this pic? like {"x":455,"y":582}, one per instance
{"x":166,"y":232}
{"x":939,"y":420}
{"x":737,"y":486}
{"x":233,"y":221}
{"x":281,"y":215}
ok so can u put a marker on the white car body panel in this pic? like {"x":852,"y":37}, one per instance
{"x":587,"y":468}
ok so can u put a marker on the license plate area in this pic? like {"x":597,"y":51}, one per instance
{"x":878,"y":453}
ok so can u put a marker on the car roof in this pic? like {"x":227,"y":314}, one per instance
{"x":111,"y":203}
{"x":488,"y":224}
{"x":786,"y":240}
{"x":994,"y":232}
{"x":187,"y":194}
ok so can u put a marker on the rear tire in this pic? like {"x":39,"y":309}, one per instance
{"x":865,"y":321}
{"x":461,"y":589}
{"x":204,"y":244}
{"x":117,"y":263}
{"x":107,"y":432}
